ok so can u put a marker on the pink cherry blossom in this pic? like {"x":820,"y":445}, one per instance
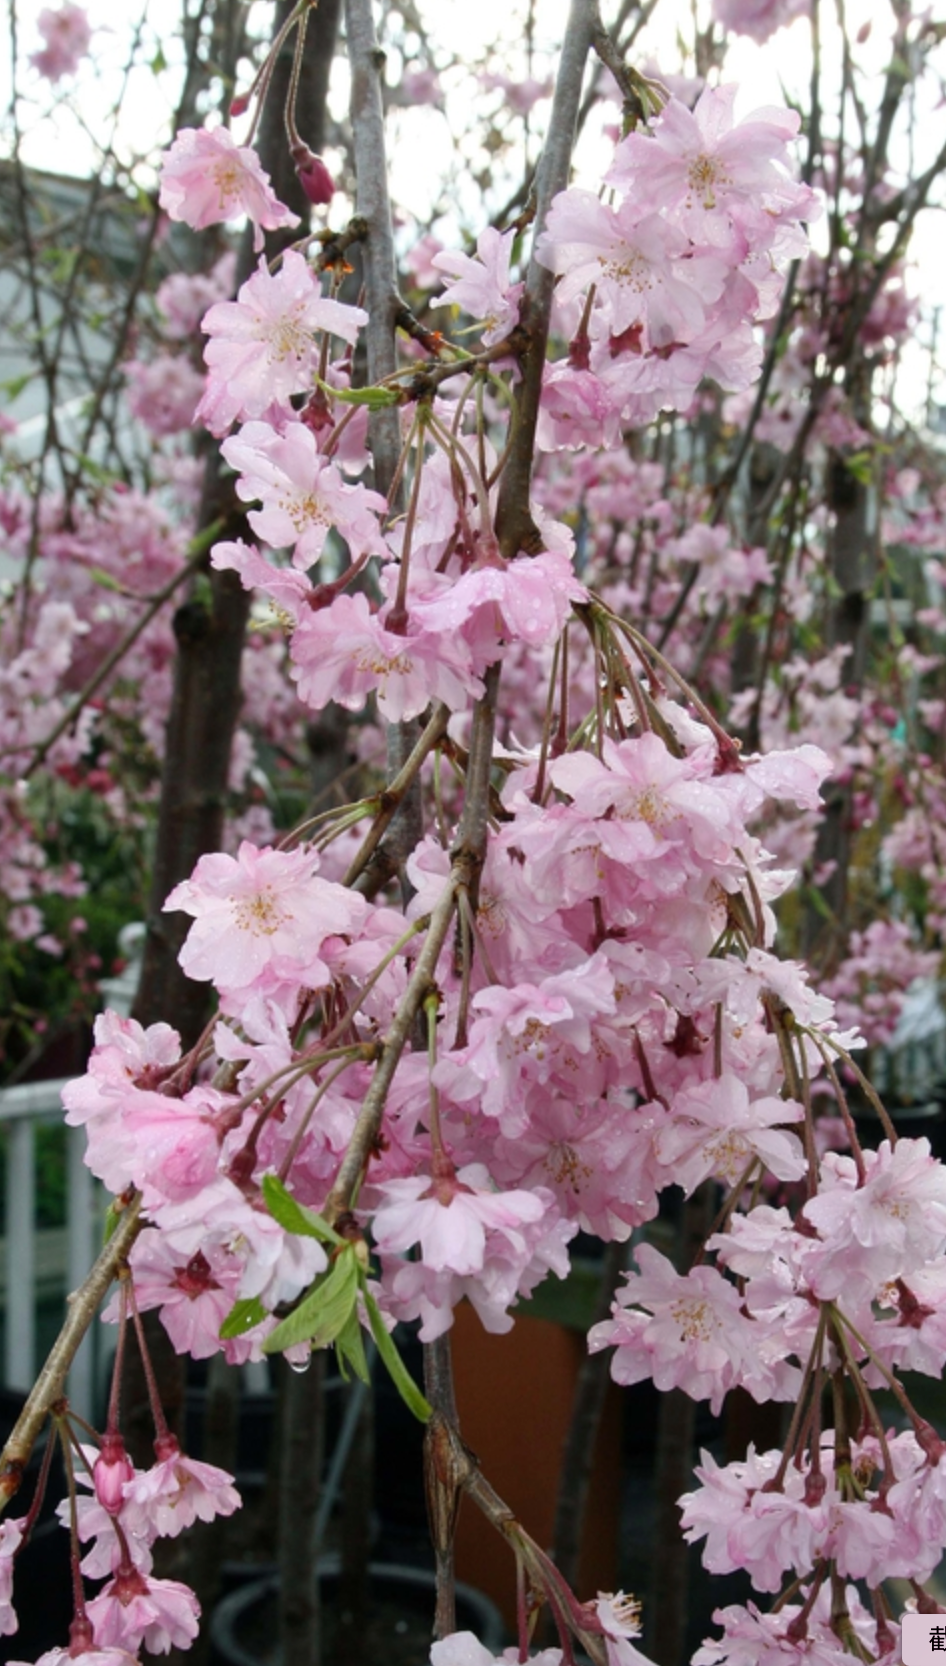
{"x":288,"y":589}
{"x":480,"y":284}
{"x":344,"y":653}
{"x":67,"y":32}
{"x":11,"y":1537}
{"x":183,"y":298}
{"x":597,"y":1158}
{"x":93,"y":1656}
{"x":716,"y":1130}
{"x":177,"y":1491}
{"x":173,"y":1145}
{"x":758,"y":18}
{"x":689,"y":1332}
{"x":771,"y":1519}
{"x":527,"y":600}
{"x":126,"y":1061}
{"x":302,"y":495}
{"x":194,"y":1293}
{"x":450,"y":1219}
{"x":882,"y":1229}
{"x":206,"y":177}
{"x":263,"y":911}
{"x":104,"y":1556}
{"x":752,"y":1638}
{"x":163,"y":393}
{"x":134,"y":1609}
{"x":519,"y":93}
{"x":275,"y":1265}
{"x":531,"y":1032}
{"x":619,"y":1618}
{"x":462,"y":1648}
{"x":578,"y":409}
{"x":725,"y":570}
{"x":515,"y":1262}
{"x":265,"y":345}
{"x":699,"y":162}
{"x":640,"y":264}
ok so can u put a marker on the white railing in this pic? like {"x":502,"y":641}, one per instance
{"x":29,"y":1258}
{"x":30,"y":1253}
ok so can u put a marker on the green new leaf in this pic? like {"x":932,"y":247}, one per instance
{"x":305,"y":1223}
{"x":376,"y":399}
{"x":325,"y":1311}
{"x":242,"y":1317}
{"x":350,"y":1349}
{"x":112,"y":1217}
{"x":106,"y":580}
{"x":15,"y":385}
{"x":400,"y":1376}
{"x":94,"y":470}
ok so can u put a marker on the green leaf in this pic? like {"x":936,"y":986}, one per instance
{"x":376,"y":399}
{"x":350,"y":1348}
{"x":305,"y":1223}
{"x":107,"y":581}
{"x":112,"y":1217}
{"x":14,"y":387}
{"x":158,"y":63}
{"x":95,"y":471}
{"x":814,"y":897}
{"x":324,"y":1312}
{"x":242,"y":1317}
{"x":400,"y":1376}
{"x":861,"y":465}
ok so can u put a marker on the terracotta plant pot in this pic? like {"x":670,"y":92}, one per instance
{"x":514,"y":1398}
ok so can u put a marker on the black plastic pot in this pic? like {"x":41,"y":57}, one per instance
{"x":235,"y":1620}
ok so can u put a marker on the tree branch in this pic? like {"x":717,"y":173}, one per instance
{"x":48,"y":1388}
{"x":515,"y":527}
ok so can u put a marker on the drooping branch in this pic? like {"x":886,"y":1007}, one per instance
{"x":366,"y":61}
{"x":460,"y":1472}
{"x":515,"y":527}
{"x":48,"y":1388}
{"x":384,"y":306}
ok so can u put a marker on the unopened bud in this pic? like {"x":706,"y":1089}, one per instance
{"x":113,"y":1468}
{"x":314,"y":177}
{"x":240,"y":104}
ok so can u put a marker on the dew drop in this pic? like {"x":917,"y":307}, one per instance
{"x":299,"y":1366}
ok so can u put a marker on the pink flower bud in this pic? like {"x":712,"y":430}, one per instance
{"x":314,"y":177}
{"x":113,"y":1468}
{"x":240,"y":104}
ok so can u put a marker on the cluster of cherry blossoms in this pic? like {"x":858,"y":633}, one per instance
{"x":581,"y":1077}
{"x":678,"y":270}
{"x":407,"y":1100}
{"x":120,"y":1514}
{"x":660,"y":291}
